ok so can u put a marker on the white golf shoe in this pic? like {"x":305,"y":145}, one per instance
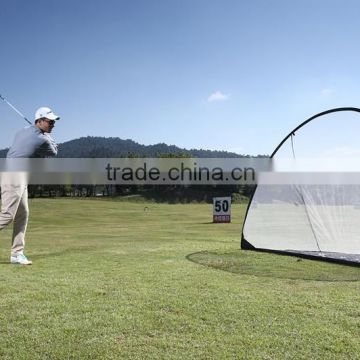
{"x":20,"y":259}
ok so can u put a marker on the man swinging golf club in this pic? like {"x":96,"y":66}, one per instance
{"x":33,"y":141}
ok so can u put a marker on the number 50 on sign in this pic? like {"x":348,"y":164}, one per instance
{"x":222,"y":209}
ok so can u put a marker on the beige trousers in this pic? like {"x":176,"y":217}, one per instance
{"x":15,"y":208}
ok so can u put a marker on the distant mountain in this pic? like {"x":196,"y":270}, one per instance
{"x":112,"y":147}
{"x":3,"y":153}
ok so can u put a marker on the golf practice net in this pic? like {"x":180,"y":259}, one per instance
{"x":314,"y":212}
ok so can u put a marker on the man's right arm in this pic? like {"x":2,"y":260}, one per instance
{"x":48,"y":147}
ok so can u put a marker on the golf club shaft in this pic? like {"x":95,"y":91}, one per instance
{"x":16,"y":110}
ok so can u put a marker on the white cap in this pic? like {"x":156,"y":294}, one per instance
{"x":45,"y":112}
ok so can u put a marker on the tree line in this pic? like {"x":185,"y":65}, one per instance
{"x":101,"y":147}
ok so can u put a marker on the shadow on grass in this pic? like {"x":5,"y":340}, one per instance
{"x":275,"y":266}
{"x":72,"y":250}
{"x":62,"y":252}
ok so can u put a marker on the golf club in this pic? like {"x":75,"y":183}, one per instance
{"x":14,"y":108}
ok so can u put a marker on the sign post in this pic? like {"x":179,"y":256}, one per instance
{"x":222,"y":210}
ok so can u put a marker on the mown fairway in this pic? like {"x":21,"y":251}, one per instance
{"x":114,"y":280}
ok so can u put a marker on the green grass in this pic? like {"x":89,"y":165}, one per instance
{"x":113,"y":280}
{"x":275,"y":266}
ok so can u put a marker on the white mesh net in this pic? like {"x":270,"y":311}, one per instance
{"x":313,"y":218}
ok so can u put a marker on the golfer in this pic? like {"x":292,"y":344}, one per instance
{"x":31,"y":142}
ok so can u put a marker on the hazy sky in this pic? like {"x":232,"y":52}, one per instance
{"x":228,"y":75}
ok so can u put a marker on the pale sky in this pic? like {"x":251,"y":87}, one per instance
{"x":223,"y":75}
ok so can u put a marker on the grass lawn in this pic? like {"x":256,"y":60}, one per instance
{"x":122,"y":280}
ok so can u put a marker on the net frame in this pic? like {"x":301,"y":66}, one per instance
{"x":245,"y":244}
